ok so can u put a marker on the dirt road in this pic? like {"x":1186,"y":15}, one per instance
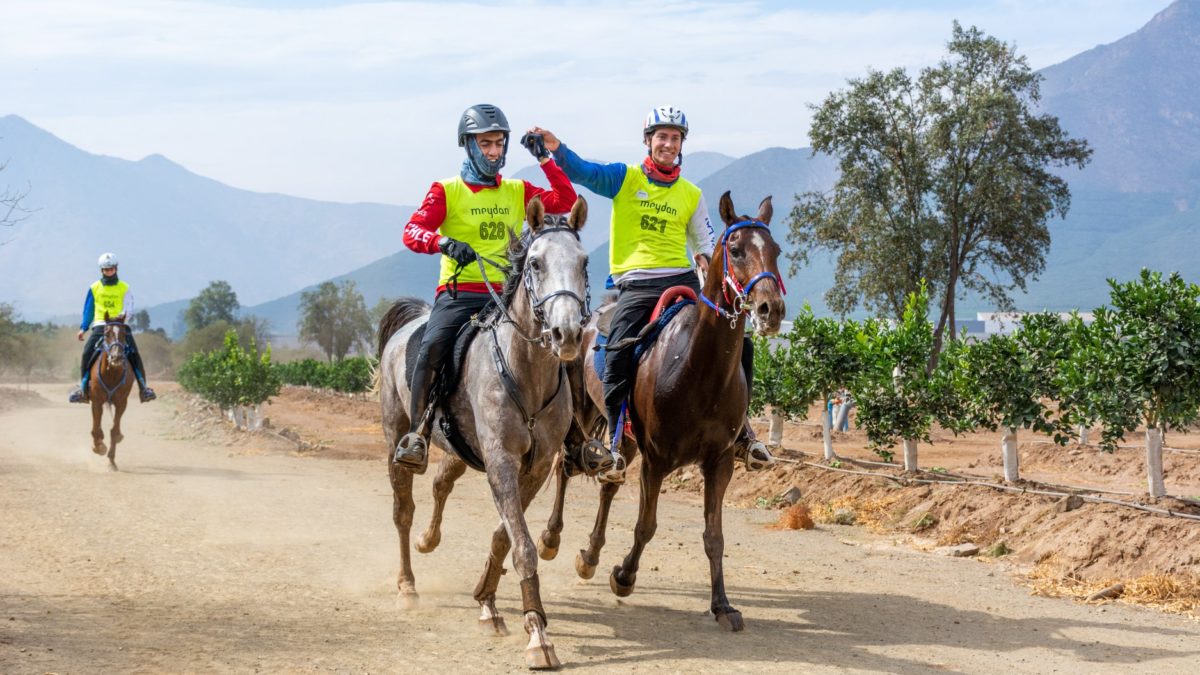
{"x":198,"y":557}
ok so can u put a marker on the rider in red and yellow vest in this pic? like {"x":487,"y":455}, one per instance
{"x":464,"y":218}
{"x":657,"y":216}
{"x":108,"y":296}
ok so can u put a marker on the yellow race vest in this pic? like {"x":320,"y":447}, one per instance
{"x":109,"y":299}
{"x":649,"y":223}
{"x":481,"y":219}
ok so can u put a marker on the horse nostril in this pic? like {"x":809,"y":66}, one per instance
{"x":764,"y":309}
{"x":556,"y":335}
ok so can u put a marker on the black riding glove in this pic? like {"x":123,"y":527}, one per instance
{"x":536,"y":145}
{"x":458,"y":251}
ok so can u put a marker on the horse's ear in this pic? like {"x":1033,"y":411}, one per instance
{"x":534,"y":213}
{"x":726,"y":210}
{"x":578,"y":214}
{"x":106,"y":316}
{"x":765,"y":211}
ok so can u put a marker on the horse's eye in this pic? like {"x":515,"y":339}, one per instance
{"x":737,"y":252}
{"x":535,"y":264}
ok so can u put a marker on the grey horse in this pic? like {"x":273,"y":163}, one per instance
{"x":518,"y":426}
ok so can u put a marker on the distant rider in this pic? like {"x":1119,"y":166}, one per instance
{"x":644,"y":262}
{"x":110,"y":295}
{"x":449,"y":222}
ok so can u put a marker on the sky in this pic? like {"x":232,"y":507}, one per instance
{"x":359,"y":101}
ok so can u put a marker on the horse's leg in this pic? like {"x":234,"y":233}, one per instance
{"x":551,"y":536}
{"x":450,"y":469}
{"x":115,"y":436}
{"x":512,"y":495}
{"x":624,"y":576}
{"x":589,"y":558}
{"x":490,"y":621}
{"x":98,"y":446}
{"x":402,"y":516}
{"x":717,"y":473}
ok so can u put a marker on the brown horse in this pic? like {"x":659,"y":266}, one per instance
{"x":110,"y":381}
{"x":688,"y":401}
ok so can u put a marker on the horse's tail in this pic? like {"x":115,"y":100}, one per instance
{"x":402,"y":312}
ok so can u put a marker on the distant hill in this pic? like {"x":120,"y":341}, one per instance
{"x":1137,"y":101}
{"x":174,"y":231}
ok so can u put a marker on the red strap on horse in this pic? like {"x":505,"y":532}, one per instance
{"x":671,"y":296}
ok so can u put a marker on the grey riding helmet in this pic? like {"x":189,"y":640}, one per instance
{"x":480,"y":119}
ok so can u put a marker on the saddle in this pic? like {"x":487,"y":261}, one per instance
{"x":445,"y":385}
{"x":670,"y":303}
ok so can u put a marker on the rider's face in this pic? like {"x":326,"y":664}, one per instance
{"x":491,"y":144}
{"x":665,"y":144}
{"x":108,"y":271}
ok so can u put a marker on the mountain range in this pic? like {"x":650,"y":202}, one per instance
{"x":1136,"y":101}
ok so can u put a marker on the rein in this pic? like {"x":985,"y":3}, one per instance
{"x":108,"y":392}
{"x":536,"y":305}
{"x":729,"y":281}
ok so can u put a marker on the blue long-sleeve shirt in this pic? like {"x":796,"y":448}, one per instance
{"x":606,"y":179}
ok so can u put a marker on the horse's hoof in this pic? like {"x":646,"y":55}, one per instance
{"x":731,"y":621}
{"x":541,"y":657}
{"x":493,"y":627}
{"x":407,"y":601}
{"x":428,"y":542}
{"x":117,"y":438}
{"x":583,"y":568}
{"x":112,"y":466}
{"x":619,"y":589}
{"x":545,"y":550}
{"x":100,"y":449}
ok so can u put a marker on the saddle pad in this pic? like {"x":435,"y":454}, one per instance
{"x":444,"y":386}
{"x":648,"y":337}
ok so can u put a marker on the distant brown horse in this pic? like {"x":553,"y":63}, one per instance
{"x":110,"y":380}
{"x":688,"y":401}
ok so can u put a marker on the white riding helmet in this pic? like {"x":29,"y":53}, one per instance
{"x":665,"y":116}
{"x":107,"y":260}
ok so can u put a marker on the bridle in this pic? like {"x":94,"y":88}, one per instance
{"x":537,"y":303}
{"x":740,"y":300}
{"x":113,"y":349}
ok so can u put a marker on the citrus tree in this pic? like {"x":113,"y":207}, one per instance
{"x":825,"y":357}
{"x":232,"y":378}
{"x":1139,"y":364}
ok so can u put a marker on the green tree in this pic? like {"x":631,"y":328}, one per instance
{"x":825,"y":357}
{"x":334,"y":317}
{"x":1006,"y":382}
{"x":217,"y":302}
{"x":946,"y":179}
{"x":1139,"y":364}
{"x":140,"y":321}
{"x":897,"y":397}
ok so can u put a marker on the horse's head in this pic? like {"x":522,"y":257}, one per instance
{"x":114,"y":340}
{"x":553,"y":270}
{"x":747,"y":257}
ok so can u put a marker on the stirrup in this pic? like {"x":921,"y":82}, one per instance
{"x":755,"y":454}
{"x":591,"y":458}
{"x":78,"y":396}
{"x":412,"y":452}
{"x":147,"y":394}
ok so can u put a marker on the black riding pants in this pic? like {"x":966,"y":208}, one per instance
{"x":96,"y":337}
{"x":635,"y":304}
{"x":445,"y":320}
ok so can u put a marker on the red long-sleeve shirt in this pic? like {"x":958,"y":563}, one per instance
{"x":421,"y":231}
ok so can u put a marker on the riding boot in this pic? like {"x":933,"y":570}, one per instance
{"x":145,"y":393}
{"x":413,"y":449}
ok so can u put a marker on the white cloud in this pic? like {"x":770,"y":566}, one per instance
{"x":359,"y":101}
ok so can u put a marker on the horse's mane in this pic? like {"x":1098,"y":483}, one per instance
{"x":518,"y":251}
